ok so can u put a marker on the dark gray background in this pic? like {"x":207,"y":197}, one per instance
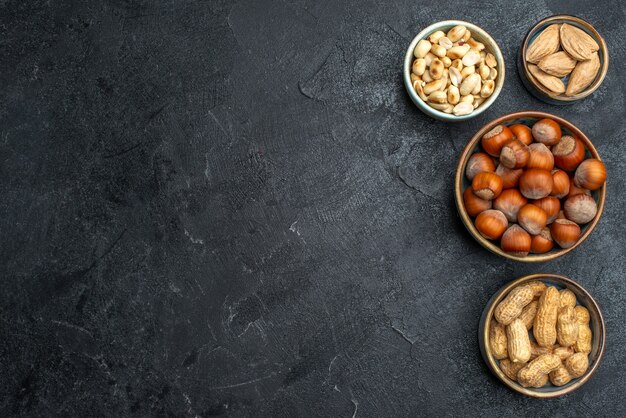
{"x":233,"y":208}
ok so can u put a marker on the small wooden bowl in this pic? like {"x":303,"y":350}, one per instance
{"x":535,"y":87}
{"x":461,"y":182}
{"x":596,"y":323}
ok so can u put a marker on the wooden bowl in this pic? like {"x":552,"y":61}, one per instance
{"x":461,"y":182}
{"x":536,"y":88}
{"x":596,"y":323}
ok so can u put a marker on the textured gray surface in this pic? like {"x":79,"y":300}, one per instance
{"x":215,"y":208}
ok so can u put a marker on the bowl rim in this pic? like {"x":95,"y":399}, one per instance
{"x":408,"y":60}
{"x":460,"y":173}
{"x":604,"y":66}
{"x":483,"y":335}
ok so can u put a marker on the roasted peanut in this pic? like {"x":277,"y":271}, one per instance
{"x":536,"y":350}
{"x":542,"y":381}
{"x":568,"y":298}
{"x":518,"y":343}
{"x":577,"y":364}
{"x":563,"y":352}
{"x":544,"y":328}
{"x":497,"y":340}
{"x":528,"y":314}
{"x":511,"y":307}
{"x":535,"y":371}
{"x":511,"y":369}
{"x":583,"y":343}
{"x":566,"y":326}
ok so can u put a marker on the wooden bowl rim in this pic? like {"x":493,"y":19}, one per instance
{"x":491,"y":361}
{"x":460,"y":173}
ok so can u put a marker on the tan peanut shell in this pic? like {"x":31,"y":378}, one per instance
{"x":577,"y":364}
{"x":537,"y":287}
{"x":544,"y":328}
{"x":537,"y":369}
{"x":511,"y":369}
{"x":568,"y":298}
{"x":518,"y":343}
{"x":511,"y":307}
{"x":545,"y":44}
{"x":567,"y":326}
{"x":560,"y":376}
{"x":583,"y":343}
{"x":497,"y":340}
{"x":537,"y":350}
{"x":528,"y":314}
{"x":563,"y":352}
{"x":542,"y":381}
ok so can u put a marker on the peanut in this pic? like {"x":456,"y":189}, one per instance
{"x":577,"y":364}
{"x":518,"y":343}
{"x":497,"y":340}
{"x":528,"y":314}
{"x":560,"y":376}
{"x":511,"y":369}
{"x":563,"y":352}
{"x":536,"y":350}
{"x":583,"y":343}
{"x":567,"y":326}
{"x":511,"y":307}
{"x":544,"y":328}
{"x":535,"y":371}
{"x":568,"y":298}
{"x":537,"y":287}
{"x":542,"y":381}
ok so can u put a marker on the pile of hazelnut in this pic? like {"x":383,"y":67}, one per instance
{"x":532,"y":187}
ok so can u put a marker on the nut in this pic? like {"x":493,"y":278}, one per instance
{"x":511,"y":369}
{"x":493,"y":74}
{"x":583,"y":343}
{"x":436,"y":69}
{"x":456,"y":33}
{"x":544,"y":328}
{"x":434,"y":86}
{"x":577,"y":364}
{"x":528,"y":314}
{"x":564,"y":352}
{"x":458,"y":51}
{"x":545,"y":44}
{"x":422,"y":48}
{"x":438,"y":50}
{"x":566,"y":326}
{"x":537,"y":369}
{"x":558,"y":64}
{"x":463,"y":108}
{"x":513,"y":304}
{"x":445,"y":42}
{"x":469,"y":84}
{"x":584,"y":73}
{"x":419,"y":66}
{"x":490,"y":60}
{"x":552,"y":83}
{"x":438,"y":97}
{"x":454,"y":96}
{"x":518,"y":343}
{"x":487,"y":88}
{"x":577,"y":42}
{"x":536,"y":350}
{"x":472,"y":58}
{"x":560,"y":376}
{"x":436,"y":36}
{"x":567,"y":298}
{"x":498,"y":340}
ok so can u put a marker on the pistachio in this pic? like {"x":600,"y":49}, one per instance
{"x":577,"y":42}
{"x":458,"y":51}
{"x":558,"y":64}
{"x":551,"y":82}
{"x":584,"y":73}
{"x":463,"y":108}
{"x":421,"y":49}
{"x":456,"y":33}
{"x":545,"y":44}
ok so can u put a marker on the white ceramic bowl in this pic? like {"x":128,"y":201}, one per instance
{"x":479,"y":35}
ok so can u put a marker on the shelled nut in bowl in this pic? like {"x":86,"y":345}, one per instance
{"x":542,"y":335}
{"x":453,"y":70}
{"x":530,"y":186}
{"x":562,"y":59}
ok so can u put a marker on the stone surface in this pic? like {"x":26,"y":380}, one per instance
{"x":233,"y":208}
